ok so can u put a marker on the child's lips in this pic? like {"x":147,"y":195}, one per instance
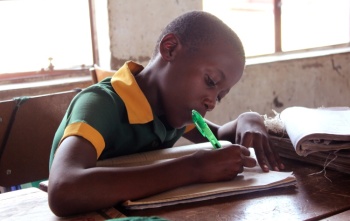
{"x":202,"y":112}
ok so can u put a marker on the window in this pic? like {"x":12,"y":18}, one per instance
{"x":314,"y":23}
{"x":37,"y":31}
{"x":34,"y":31}
{"x":269,"y":26}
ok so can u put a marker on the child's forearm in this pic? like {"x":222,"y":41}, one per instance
{"x":76,"y":185}
{"x":75,"y":188}
{"x":228,"y":132}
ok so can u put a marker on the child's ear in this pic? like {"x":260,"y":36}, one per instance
{"x":168,"y":47}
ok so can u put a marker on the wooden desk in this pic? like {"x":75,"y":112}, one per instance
{"x":314,"y":198}
{"x":31,"y":204}
{"x":340,"y":216}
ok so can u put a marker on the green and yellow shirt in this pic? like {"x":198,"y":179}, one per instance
{"x":115,"y":116}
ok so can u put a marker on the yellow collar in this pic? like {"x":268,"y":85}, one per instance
{"x":136,"y":103}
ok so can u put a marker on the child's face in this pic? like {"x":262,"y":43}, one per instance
{"x":198,"y":82}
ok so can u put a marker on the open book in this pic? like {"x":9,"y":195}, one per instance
{"x":317,"y":129}
{"x":251,"y":180}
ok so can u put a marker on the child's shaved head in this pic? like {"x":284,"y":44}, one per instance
{"x":197,"y":28}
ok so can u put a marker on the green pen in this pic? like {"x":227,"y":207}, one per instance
{"x":204,"y":129}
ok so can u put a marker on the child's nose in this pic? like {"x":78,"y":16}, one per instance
{"x":209,"y":104}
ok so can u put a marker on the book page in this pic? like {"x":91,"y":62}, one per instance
{"x":149,"y":157}
{"x":252,"y":179}
{"x":320,"y":125}
{"x":244,"y":183}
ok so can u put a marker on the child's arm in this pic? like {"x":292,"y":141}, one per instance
{"x":76,"y":185}
{"x":247,"y":130}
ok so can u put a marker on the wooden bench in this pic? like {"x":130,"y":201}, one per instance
{"x":27,"y":128}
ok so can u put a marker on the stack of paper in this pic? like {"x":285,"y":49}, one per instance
{"x":319,"y":136}
{"x":251,"y":180}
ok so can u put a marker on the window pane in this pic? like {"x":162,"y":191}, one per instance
{"x":314,"y":23}
{"x":252,"y":20}
{"x":34,"y":30}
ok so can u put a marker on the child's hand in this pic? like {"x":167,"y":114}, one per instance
{"x":249,"y":130}
{"x":222,"y":164}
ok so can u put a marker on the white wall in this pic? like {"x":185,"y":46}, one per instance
{"x":320,"y":80}
{"x":310,"y":82}
{"x":135,"y":26}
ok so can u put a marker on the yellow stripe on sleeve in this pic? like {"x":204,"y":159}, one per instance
{"x":89,"y":133}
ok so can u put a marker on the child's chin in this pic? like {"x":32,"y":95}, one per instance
{"x":184,"y":124}
{"x":178,"y":124}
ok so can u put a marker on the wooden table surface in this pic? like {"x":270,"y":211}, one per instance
{"x":314,"y":198}
{"x":31,"y":205}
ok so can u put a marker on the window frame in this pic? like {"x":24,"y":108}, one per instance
{"x":29,"y":76}
{"x":278,"y":26}
{"x":18,"y":77}
{"x":278,"y":35}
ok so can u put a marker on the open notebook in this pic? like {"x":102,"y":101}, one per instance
{"x":251,"y":180}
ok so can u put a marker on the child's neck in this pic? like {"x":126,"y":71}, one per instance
{"x":149,"y":86}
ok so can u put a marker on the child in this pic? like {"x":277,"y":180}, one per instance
{"x":196,"y":61}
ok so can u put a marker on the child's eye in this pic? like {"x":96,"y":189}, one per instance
{"x":210,"y":82}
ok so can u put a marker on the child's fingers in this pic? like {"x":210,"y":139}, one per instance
{"x":277,"y":157}
{"x":245,"y":151}
{"x":249,"y":162}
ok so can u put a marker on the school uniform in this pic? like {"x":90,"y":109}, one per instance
{"x":115,"y":116}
